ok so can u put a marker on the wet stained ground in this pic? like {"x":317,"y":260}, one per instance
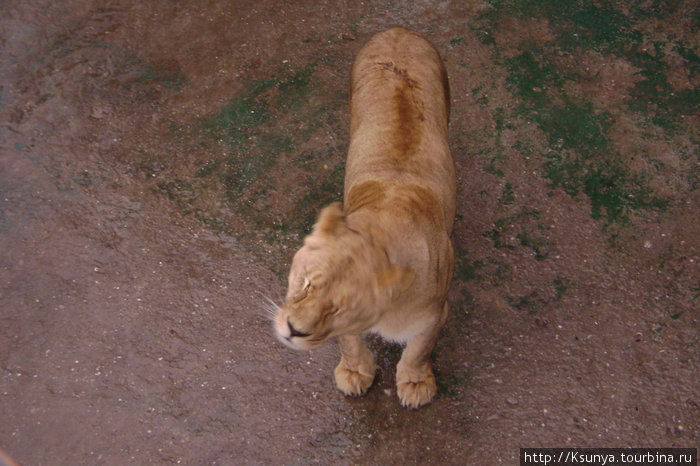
{"x":161,"y":161}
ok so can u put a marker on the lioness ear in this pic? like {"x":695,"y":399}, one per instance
{"x":329,"y":220}
{"x":394,"y":280}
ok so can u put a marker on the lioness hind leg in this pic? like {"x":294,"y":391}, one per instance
{"x":415,"y":382}
{"x":355,"y":372}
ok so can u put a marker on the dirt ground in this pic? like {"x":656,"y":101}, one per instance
{"x":160,"y":162}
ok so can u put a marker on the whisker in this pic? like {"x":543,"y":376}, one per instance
{"x":269,"y":306}
{"x":268,"y":299}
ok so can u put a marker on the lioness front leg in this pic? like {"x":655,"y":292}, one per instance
{"x":415,"y":382}
{"x":355,"y":372}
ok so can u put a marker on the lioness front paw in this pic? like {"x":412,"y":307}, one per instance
{"x":354,"y":383}
{"x":414,"y":394}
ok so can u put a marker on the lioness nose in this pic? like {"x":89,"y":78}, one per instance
{"x":294,"y":332}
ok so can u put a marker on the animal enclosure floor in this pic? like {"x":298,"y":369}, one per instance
{"x":160,"y":162}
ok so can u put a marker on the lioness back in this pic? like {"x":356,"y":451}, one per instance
{"x":399,"y":114}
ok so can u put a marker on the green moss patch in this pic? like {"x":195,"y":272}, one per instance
{"x":259,"y":158}
{"x":544,"y":75}
{"x":581,"y":158}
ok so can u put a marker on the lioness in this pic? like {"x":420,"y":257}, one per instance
{"x":383,"y":262}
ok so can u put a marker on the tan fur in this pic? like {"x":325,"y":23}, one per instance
{"x":383,"y":263}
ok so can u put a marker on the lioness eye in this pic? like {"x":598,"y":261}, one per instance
{"x":304,"y":291}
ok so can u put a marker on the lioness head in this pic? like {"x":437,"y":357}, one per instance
{"x":339,"y":281}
